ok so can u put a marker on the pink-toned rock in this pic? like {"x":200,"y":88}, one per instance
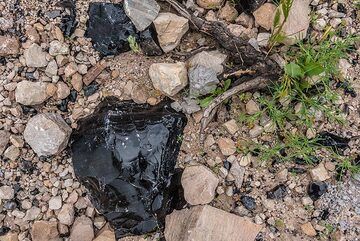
{"x":264,"y":15}
{"x":44,"y":231}
{"x":209,"y":4}
{"x":82,"y":230}
{"x":206,"y":223}
{"x":227,"y":146}
{"x":105,"y":234}
{"x":8,"y":46}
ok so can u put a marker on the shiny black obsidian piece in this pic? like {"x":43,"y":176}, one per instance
{"x":249,"y":5}
{"x":125,"y":155}
{"x":277,"y":192}
{"x":317,"y":189}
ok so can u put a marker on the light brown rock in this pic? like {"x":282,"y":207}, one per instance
{"x":82,"y":229}
{"x":319,"y":173}
{"x":252,"y":107}
{"x":44,"y":231}
{"x":264,"y":15}
{"x":210,"y":4}
{"x":170,"y":29}
{"x":62,"y":90}
{"x":94,"y":72}
{"x":51,"y":89}
{"x":245,"y":20}
{"x":228,"y":12}
{"x":169,"y":78}
{"x":231,"y":126}
{"x":227,"y":146}
{"x":308,"y":229}
{"x":70,"y":69}
{"x":199,"y":184}
{"x":12,"y":153}
{"x":66,"y":214}
{"x":8,"y":45}
{"x":47,"y":134}
{"x":9,"y":237}
{"x":30,"y":93}
{"x":209,"y":59}
{"x":35,"y":56}
{"x":105,"y":234}
{"x":206,"y":223}
{"x":4,"y":140}
{"x":76,"y":82}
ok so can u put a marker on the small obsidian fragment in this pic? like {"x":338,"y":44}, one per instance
{"x":277,"y":192}
{"x":249,"y":5}
{"x":125,"y":154}
{"x":297,"y":170}
{"x":248,"y":202}
{"x":148,"y":42}
{"x":316,"y":190}
{"x":109,"y":28}
{"x":325,"y":214}
{"x":90,"y":89}
{"x":334,"y":141}
{"x":68,"y":22}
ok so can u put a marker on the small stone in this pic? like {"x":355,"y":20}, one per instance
{"x":62,"y":90}
{"x":344,"y":67}
{"x":141,"y":12}
{"x":8,"y":45}
{"x":55,"y":203}
{"x":58,"y":48}
{"x":82,"y":230}
{"x":199,"y":184}
{"x":209,"y":141}
{"x":277,"y":192}
{"x":170,"y":29}
{"x":32,"y":214}
{"x":67,"y":214}
{"x":4,"y":140}
{"x":94,"y":72}
{"x":242,"y":32}
{"x":252,"y":107}
{"x":44,"y":231}
{"x":238,"y":173}
{"x":263,"y":39}
{"x":209,"y":4}
{"x":212,"y":60}
{"x":76,"y":82}
{"x":51,"y":69}
{"x":106,"y":234}
{"x":319,"y":173}
{"x":6,"y":192}
{"x":245,"y":160}
{"x":9,"y":237}
{"x":231,"y":126}
{"x":47,"y":134}
{"x":30,"y":93}
{"x":70,"y":69}
{"x":192,"y":224}
{"x":227,"y":146}
{"x":35,"y":56}
{"x":308,"y":229}
{"x":264,"y":15}
{"x":248,"y":202}
{"x":169,"y":78}
{"x":6,"y":23}
{"x":316,"y":190}
{"x":256,"y":131}
{"x":12,"y":153}
{"x":310,"y":133}
{"x":306,"y":201}
{"x":319,"y":24}
{"x":202,"y":80}
{"x":228,"y":12}
{"x":245,"y":20}
{"x":51,"y":89}
{"x":330,"y":166}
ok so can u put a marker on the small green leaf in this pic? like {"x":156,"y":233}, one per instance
{"x":227,"y":84}
{"x":294,"y":70}
{"x":206,"y":101}
{"x":313,"y":69}
{"x":277,"y":18}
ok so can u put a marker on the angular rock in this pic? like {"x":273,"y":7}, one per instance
{"x":250,"y":5}
{"x":238,"y":173}
{"x":252,"y":107}
{"x":277,"y":192}
{"x":125,"y":154}
{"x":6,"y":192}
{"x":228,"y":12}
{"x":55,"y":203}
{"x":9,"y":237}
{"x":319,"y":173}
{"x":30,"y":93}
{"x":207,"y":223}
{"x":82,"y":229}
{"x":105,"y":234}
{"x":227,"y":146}
{"x":8,"y":45}
{"x":47,"y":134}
{"x":35,"y":56}
{"x":148,"y":42}
{"x":141,"y":12}
{"x":94,"y":72}
{"x":4,"y":140}
{"x":51,"y":69}
{"x":32,"y":213}
{"x":308,"y":229}
{"x":209,"y":4}
{"x":44,"y":231}
{"x":58,"y":48}
{"x":199,"y":184}
{"x":316,"y":190}
{"x":212,"y":60}
{"x":202,"y":80}
{"x":263,"y":39}
{"x":67,"y":214}
{"x":248,"y":202}
{"x":170,"y":29}
{"x":264,"y":15}
{"x":12,"y":153}
{"x":62,"y":90}
{"x":169,"y":78}
{"x":231,"y":126}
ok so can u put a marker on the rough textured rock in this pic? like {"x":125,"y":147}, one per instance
{"x":199,"y":184}
{"x":308,"y":229}
{"x":44,"y":231}
{"x":82,"y":229}
{"x":228,"y":12}
{"x":51,"y":68}
{"x":169,"y":78}
{"x":105,"y":234}
{"x":264,"y":15}
{"x":4,"y":140}
{"x":207,"y":223}
{"x":67,"y":214}
{"x":6,"y":192}
{"x":210,"y":4}
{"x":212,"y":60}
{"x":35,"y":56}
{"x":297,"y":24}
{"x":47,"y":134}
{"x":202,"y":80}
{"x":8,"y":45}
{"x":252,"y":107}
{"x":58,"y":48}
{"x":238,"y":173}
{"x":62,"y":90}
{"x":319,"y":173}
{"x":30,"y":93}
{"x":9,"y":237}
{"x":141,"y":12}
{"x":170,"y":29}
{"x":227,"y":146}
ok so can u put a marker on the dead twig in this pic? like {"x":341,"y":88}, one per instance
{"x":257,"y":83}
{"x":240,"y":72}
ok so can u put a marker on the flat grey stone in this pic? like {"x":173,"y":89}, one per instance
{"x":203,"y":80}
{"x":141,"y":12}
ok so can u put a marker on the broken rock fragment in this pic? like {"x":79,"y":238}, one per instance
{"x":35,"y":56}
{"x":199,"y":184}
{"x":8,"y":45}
{"x":170,"y":29}
{"x":168,"y":78}
{"x":264,"y":15}
{"x":125,"y":155}
{"x":207,"y":223}
{"x":30,"y":93}
{"x":4,"y":140}
{"x":47,"y":134}
{"x":44,"y":231}
{"x":209,"y":4}
{"x":141,"y":12}
{"x":211,"y":59}
{"x":203,"y":80}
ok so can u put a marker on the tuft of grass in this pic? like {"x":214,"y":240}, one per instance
{"x":205,"y":101}
{"x":133,"y":44}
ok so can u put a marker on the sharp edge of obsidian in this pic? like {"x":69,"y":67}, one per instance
{"x":125,"y":155}
{"x":249,"y":6}
{"x":331,"y":140}
{"x":68,"y":22}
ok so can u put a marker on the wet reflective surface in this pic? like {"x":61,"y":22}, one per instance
{"x":125,"y":154}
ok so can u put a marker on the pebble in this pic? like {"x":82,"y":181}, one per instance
{"x":44,"y":231}
{"x":6,"y":192}
{"x":30,"y":93}
{"x":308,"y":229}
{"x":58,"y":48}
{"x":231,"y":126}
{"x":67,"y":214}
{"x":141,"y":12}
{"x":264,"y":15}
{"x":252,"y":107}
{"x":8,"y":45}
{"x":319,"y":173}
{"x":248,"y":202}
{"x":35,"y":56}
{"x":32,"y":214}
{"x":227,"y":146}
{"x":55,"y":203}
{"x":82,"y":230}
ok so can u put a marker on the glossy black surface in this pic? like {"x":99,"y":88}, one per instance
{"x":249,"y":5}
{"x":68,"y":21}
{"x":277,"y":192}
{"x":317,"y":189}
{"x":334,"y":141}
{"x":148,"y":42}
{"x":125,"y":154}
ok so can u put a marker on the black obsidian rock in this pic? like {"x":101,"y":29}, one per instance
{"x":317,"y":189}
{"x":334,"y":141}
{"x":248,"y":202}
{"x":148,"y":42}
{"x":249,"y":5}
{"x":109,"y":28}
{"x":125,"y":154}
{"x":277,"y":192}
{"x":68,"y":21}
